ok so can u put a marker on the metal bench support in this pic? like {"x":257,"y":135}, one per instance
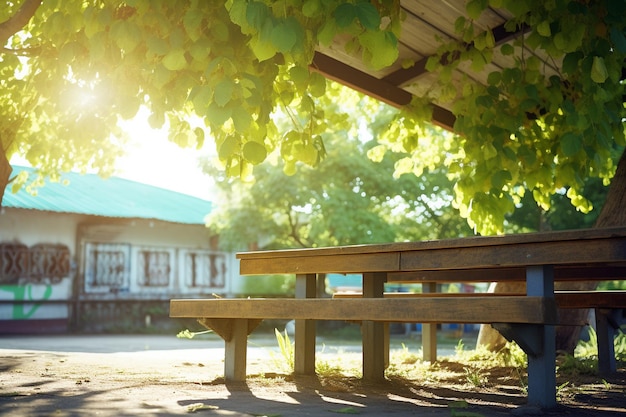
{"x":541,"y":366}
{"x":607,"y":323}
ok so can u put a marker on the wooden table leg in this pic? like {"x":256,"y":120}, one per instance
{"x":374,"y":332}
{"x":542,"y":366}
{"x":304,"y":355}
{"x":429,"y":330}
{"x":235,"y":353}
{"x":607,"y":323}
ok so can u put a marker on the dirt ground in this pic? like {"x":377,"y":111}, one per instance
{"x":172,"y":382}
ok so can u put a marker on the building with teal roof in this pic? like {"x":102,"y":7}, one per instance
{"x":92,"y":254}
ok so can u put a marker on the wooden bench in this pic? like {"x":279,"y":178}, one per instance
{"x":539,"y":259}
{"x":609,"y":308}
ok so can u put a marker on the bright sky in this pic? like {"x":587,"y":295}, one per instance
{"x":152,"y":159}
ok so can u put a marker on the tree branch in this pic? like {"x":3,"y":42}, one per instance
{"x":10,"y":27}
{"x":293,"y":226}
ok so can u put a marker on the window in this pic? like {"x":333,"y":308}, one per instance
{"x":204,"y":269}
{"x":107,"y":265}
{"x":37,"y":263}
{"x":49,"y":262}
{"x":153,"y":268}
{"x":13,"y":262}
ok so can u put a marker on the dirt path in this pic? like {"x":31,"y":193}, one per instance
{"x":183,"y":381}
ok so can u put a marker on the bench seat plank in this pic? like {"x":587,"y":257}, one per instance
{"x":515,"y":309}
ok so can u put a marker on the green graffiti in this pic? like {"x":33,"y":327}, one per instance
{"x":25,"y":293}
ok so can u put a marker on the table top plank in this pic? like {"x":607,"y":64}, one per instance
{"x":463,"y":242}
{"x":599,"y":247}
{"x":373,"y":262}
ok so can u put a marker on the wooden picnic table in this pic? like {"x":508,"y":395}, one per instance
{"x":539,"y":259}
{"x":592,"y":254}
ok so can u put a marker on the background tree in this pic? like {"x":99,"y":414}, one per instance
{"x":345,"y":199}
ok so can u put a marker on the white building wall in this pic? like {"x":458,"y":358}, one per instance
{"x":31,"y":227}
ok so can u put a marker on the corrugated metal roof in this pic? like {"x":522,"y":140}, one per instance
{"x":111,"y":197}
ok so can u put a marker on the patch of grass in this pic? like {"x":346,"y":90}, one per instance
{"x":476,"y":377}
{"x":286,"y":361}
{"x":188,"y":334}
{"x":286,"y":348}
{"x":478,"y":368}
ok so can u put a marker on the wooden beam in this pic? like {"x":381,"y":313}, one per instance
{"x":405,"y":75}
{"x":375,"y":87}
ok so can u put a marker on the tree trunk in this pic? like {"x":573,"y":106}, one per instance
{"x":613,"y":214}
{"x":5,"y":172}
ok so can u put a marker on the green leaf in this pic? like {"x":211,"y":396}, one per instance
{"x":157,"y":45}
{"x":200,"y":97}
{"x":238,"y":14}
{"x":494,"y":78}
{"x":368,"y":15}
{"x":317,"y":84}
{"x":192,"y":22}
{"x":242,"y":120}
{"x":192,"y":408}
{"x":475,"y":8}
{"x":403,"y":166}
{"x":345,"y":14}
{"x":570,"y":62}
{"x":289,"y":168}
{"x":327,"y":32}
{"x":489,"y":151}
{"x":283,"y":38}
{"x":381,"y":48}
{"x":199,"y":132}
{"x":599,"y":74}
{"x":128,"y":107}
{"x":254,"y":152}
{"x":459,"y":24}
{"x":217,"y":115}
{"x":560,"y":41}
{"x":571,"y":143}
{"x":507,"y":49}
{"x":500,"y":179}
{"x":299,"y":75}
{"x":175,"y":60}
{"x":223,"y":92}
{"x":262,"y":50}
{"x":543,"y":29}
{"x":377,"y":153}
{"x":311,"y":8}
{"x":228,"y":147}
{"x":126,"y":35}
{"x":257,"y":14}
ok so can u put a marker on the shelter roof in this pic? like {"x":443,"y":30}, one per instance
{"x":112,"y":197}
{"x":425,"y":23}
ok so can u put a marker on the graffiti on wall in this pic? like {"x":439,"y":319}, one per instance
{"x":31,"y":277}
{"x":32,"y":301}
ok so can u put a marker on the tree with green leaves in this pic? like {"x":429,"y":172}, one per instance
{"x":71,"y":71}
